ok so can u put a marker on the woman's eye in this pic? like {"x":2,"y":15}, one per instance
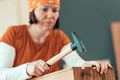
{"x":55,"y":10}
{"x":45,"y":9}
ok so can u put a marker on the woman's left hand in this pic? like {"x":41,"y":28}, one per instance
{"x":101,"y":66}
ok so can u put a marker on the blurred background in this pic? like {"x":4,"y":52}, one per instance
{"x":91,"y":19}
{"x":12,"y":12}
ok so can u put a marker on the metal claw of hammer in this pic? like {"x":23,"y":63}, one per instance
{"x":76,"y":45}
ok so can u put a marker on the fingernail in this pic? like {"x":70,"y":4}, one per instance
{"x":101,"y":73}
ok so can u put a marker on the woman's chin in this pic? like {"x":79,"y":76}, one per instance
{"x":48,"y":28}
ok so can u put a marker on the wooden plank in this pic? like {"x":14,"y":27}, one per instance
{"x":76,"y":73}
{"x":115,"y":32}
{"x":66,"y":74}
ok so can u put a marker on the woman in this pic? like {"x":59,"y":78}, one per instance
{"x":24,"y":49}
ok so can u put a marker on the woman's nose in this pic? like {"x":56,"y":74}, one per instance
{"x":50,"y":14}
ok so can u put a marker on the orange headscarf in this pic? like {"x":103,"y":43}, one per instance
{"x":34,"y":3}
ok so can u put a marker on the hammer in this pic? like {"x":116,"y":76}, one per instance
{"x":76,"y":45}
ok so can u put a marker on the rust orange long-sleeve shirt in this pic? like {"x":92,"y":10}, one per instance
{"x":27,"y":50}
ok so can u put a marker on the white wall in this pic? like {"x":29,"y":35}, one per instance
{"x":12,"y":12}
{"x":23,"y":11}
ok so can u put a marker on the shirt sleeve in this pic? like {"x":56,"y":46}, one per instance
{"x":65,"y":39}
{"x":73,"y":59}
{"x":7,"y":71}
{"x":9,"y":36}
{"x":16,"y":73}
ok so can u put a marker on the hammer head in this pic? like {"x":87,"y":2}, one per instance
{"x":77,"y":43}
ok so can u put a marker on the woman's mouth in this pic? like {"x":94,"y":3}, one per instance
{"x":49,"y":22}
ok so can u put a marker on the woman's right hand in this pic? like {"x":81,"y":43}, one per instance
{"x":37,"y":68}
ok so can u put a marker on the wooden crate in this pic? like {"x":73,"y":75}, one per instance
{"x":76,"y":73}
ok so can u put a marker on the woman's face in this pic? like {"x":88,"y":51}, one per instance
{"x":47,"y":15}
